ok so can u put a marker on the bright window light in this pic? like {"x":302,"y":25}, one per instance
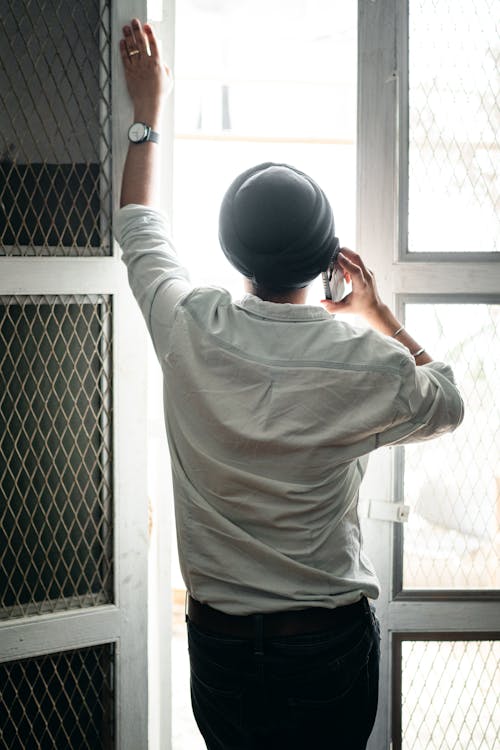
{"x":253,"y":84}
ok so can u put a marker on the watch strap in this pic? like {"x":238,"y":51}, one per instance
{"x":153,"y":136}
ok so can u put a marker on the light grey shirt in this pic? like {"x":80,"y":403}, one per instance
{"x":271,"y":411}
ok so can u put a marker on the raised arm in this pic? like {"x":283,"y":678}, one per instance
{"x":149,"y":82}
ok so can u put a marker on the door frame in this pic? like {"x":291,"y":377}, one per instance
{"x":123,"y":623}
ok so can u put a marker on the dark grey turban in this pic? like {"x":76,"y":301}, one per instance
{"x":276,"y":226}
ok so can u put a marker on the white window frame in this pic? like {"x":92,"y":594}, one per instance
{"x":382,"y":204}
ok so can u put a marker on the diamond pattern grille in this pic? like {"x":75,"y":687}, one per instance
{"x":450,"y":695}
{"x":55,"y":454}
{"x":454,"y":121}
{"x":453,"y":484}
{"x":62,"y":700}
{"x":55,"y":135}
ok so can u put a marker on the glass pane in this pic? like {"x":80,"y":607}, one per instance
{"x":450,"y":695}
{"x":454,"y":112}
{"x":62,"y":700}
{"x":55,"y":454}
{"x":255,"y":84}
{"x":55,"y":147}
{"x":453,"y":483}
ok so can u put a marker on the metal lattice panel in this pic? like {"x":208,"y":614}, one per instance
{"x":453,"y":483}
{"x":55,"y":134}
{"x":55,"y":454}
{"x":450,"y":695}
{"x":454,"y":121}
{"x":62,"y":700}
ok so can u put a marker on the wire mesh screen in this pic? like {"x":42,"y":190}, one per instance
{"x":450,"y":695}
{"x":453,"y":483}
{"x":62,"y":700}
{"x":454,"y":121}
{"x":55,"y":147}
{"x":55,"y":453}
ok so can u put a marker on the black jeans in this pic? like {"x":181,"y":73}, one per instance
{"x":297,"y":692}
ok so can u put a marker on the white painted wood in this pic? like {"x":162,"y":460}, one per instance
{"x":377,"y":129}
{"x":401,"y":113}
{"x":377,"y":242}
{"x":446,"y":278}
{"x":45,"y":634}
{"x":59,"y":276}
{"x":161,"y":13}
{"x":131,"y":515}
{"x":131,"y":519}
{"x":444,"y":616}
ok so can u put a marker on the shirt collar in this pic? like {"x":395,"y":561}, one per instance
{"x":281,"y":311}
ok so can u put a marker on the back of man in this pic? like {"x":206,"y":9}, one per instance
{"x":271,"y":408}
{"x":270,"y":411}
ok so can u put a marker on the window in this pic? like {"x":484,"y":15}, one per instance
{"x":453,"y":127}
{"x":427,"y":140}
{"x":255,"y":84}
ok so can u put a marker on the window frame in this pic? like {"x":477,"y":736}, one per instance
{"x":382,"y":205}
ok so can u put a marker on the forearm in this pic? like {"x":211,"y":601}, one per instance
{"x":383,"y":320}
{"x":141,"y":173}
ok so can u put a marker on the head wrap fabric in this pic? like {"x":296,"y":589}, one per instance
{"x":276,"y":226}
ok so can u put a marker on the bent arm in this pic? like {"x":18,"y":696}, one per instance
{"x":431,"y":400}
{"x":364,"y":300}
{"x":141,"y":175}
{"x":384,"y":321}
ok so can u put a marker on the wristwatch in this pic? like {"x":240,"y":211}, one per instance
{"x":139,"y":132}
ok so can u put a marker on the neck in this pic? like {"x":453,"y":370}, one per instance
{"x":289,"y":296}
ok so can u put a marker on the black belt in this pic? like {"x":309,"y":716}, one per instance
{"x":274,"y":624}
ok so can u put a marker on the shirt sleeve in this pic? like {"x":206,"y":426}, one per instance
{"x":157,"y":279}
{"x":430,"y":399}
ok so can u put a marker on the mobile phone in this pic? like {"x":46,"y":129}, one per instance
{"x":334,"y":284}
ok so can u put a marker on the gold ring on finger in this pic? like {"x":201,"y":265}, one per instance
{"x":134,"y":52}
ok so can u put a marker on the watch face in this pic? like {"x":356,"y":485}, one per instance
{"x":137,"y":132}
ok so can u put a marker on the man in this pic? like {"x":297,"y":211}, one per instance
{"x":272,"y":407}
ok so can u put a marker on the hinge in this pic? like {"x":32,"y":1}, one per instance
{"x":380,"y":510}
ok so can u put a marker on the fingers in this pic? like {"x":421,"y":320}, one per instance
{"x":129,"y":40}
{"x":348,"y":266}
{"x":151,"y":40}
{"x":337,"y":307}
{"x":139,"y":36}
{"x":353,"y":258}
{"x":136,"y":41}
{"x":124,"y":53}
